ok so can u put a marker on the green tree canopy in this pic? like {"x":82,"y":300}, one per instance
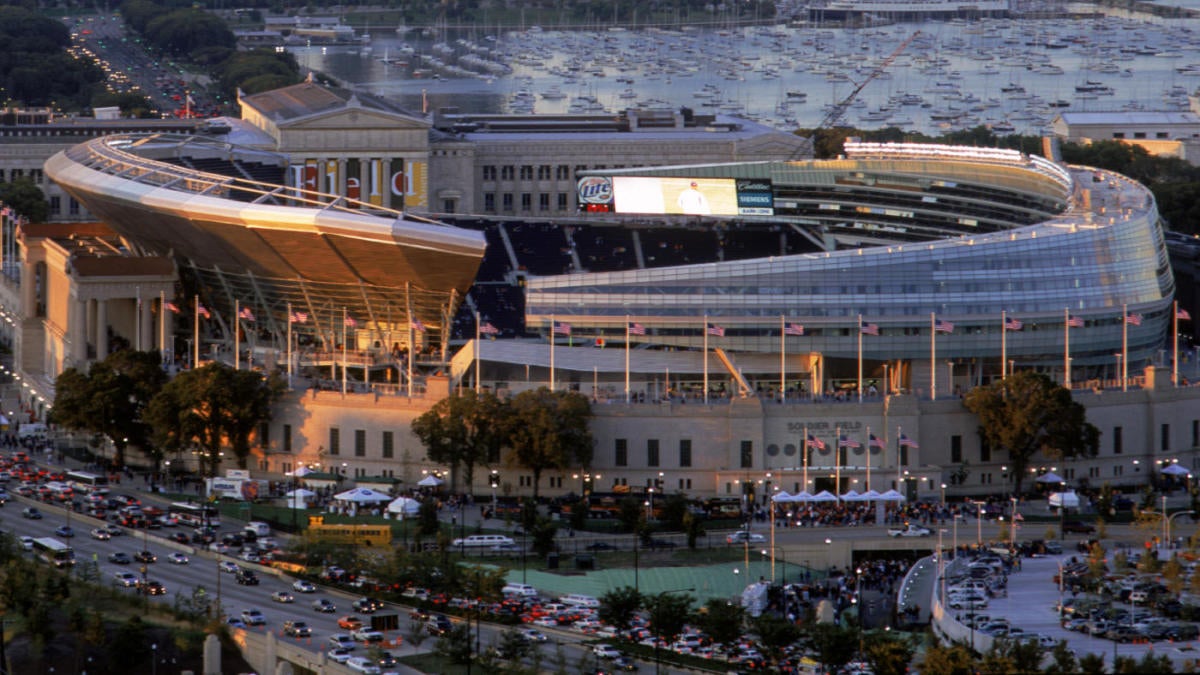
{"x":463,"y":429}
{"x":668,"y":612}
{"x":618,"y":607}
{"x":111,"y":398}
{"x":723,"y":621}
{"x":547,"y":430}
{"x":1026,"y":414}
{"x":207,"y":408}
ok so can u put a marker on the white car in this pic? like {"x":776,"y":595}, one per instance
{"x":177,"y":558}
{"x":101,"y":534}
{"x":302,"y":586}
{"x":361,"y":664}
{"x":339,"y":654}
{"x":27,"y":543}
{"x":283,"y":596}
{"x":228,"y":567}
{"x":604,"y":651}
{"x":125,"y":579}
{"x":744,"y":537}
{"x":366,"y":635}
{"x":253,"y":617}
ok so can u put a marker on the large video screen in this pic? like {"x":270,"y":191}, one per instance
{"x":671,"y":195}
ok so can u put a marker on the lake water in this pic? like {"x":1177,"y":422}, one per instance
{"x":1013,"y":74}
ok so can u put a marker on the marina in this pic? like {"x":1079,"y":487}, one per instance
{"x":1012,"y":75}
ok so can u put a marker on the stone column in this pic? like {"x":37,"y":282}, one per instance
{"x":77,"y":330}
{"x":101,"y":329}
{"x":149,"y":327}
{"x":28,"y":296}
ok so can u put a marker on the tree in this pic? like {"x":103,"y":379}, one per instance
{"x":887,"y":653}
{"x":775,"y":633}
{"x":1062,"y":660}
{"x":723,"y":621}
{"x":618,"y":607}
{"x":548,"y":430}
{"x":1025,"y":414}
{"x":463,"y":429}
{"x":209,"y":407}
{"x":26,"y":198}
{"x":950,"y":660}
{"x":112,"y":398}
{"x":456,"y":644}
{"x":668,"y":613}
{"x":834,"y":645}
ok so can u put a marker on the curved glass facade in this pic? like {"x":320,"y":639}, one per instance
{"x":1100,"y":254}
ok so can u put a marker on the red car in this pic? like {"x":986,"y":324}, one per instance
{"x":350,"y":622}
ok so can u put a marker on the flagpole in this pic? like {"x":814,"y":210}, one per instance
{"x":162,"y":324}
{"x":860,"y":327}
{"x":932,"y":356}
{"x":804,"y":449}
{"x":627,"y":359}
{"x":1003,"y":344}
{"x":237,"y":337}
{"x":782,"y":364}
{"x":899,"y":445}
{"x":837,"y":460}
{"x":1067,"y":347}
{"x":553,"y":325}
{"x":869,"y":446}
{"x":1124,"y":348}
{"x":289,"y":345}
{"x":705,"y":359}
{"x":477,"y":347}
{"x":1175,"y":343}
{"x":345,"y":364}
{"x":195,"y":331}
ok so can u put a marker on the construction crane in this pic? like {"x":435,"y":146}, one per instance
{"x":834,"y":116}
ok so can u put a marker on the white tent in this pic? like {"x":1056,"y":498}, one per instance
{"x":406,"y":507}
{"x":892,"y":496}
{"x":781,"y":496}
{"x":870,"y":495}
{"x":430,"y":481}
{"x":1176,"y":470}
{"x":299,"y":498}
{"x":1050,"y":477}
{"x":824,"y":496}
{"x":1065,"y":500}
{"x":802,"y":496}
{"x":851,"y":496}
{"x":362,"y":496}
{"x":301,"y":472}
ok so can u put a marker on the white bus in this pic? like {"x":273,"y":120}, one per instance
{"x":54,"y":551}
{"x":87,"y":482}
{"x":195,"y":515}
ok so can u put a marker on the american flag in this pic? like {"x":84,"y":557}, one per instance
{"x":1012,"y":324}
{"x":874,"y":441}
{"x":350,"y":322}
{"x":868,"y":328}
{"x":845,"y":441}
{"x":487,"y":328}
{"x":418,"y":326}
{"x":245,"y":313}
{"x":793,"y":329}
{"x":714,"y":329}
{"x":298,"y":317}
{"x":940,"y":326}
{"x":1133,"y":319}
{"x":562,"y":328}
{"x":637,"y":329}
{"x":815,"y":442}
{"x":1074,"y":322}
{"x":172,"y":307}
{"x":906,"y":442}
{"x":1182,"y":315}
{"x":203,"y":311}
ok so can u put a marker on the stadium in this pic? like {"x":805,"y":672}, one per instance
{"x":803,"y":282}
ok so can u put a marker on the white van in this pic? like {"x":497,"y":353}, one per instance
{"x":258,"y":528}
{"x":32,"y":430}
{"x":483,"y":540}
{"x":577,"y":600}
{"x":520,"y":590}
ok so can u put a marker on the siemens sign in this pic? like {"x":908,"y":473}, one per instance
{"x":755,"y":197}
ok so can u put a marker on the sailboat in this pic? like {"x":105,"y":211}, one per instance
{"x":388,"y":60}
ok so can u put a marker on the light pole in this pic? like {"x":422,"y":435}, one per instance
{"x":978,"y":523}
{"x":782,"y":559}
{"x":1012,"y":530}
{"x":943,"y":495}
{"x":154,"y":658}
{"x":494,"y":481}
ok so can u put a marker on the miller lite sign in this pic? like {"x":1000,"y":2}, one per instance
{"x":595,"y":190}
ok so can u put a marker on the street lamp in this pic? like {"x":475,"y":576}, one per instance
{"x":153,"y":658}
{"x":782,"y":560}
{"x":494,"y":482}
{"x":978,"y":523}
{"x":943,"y":495}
